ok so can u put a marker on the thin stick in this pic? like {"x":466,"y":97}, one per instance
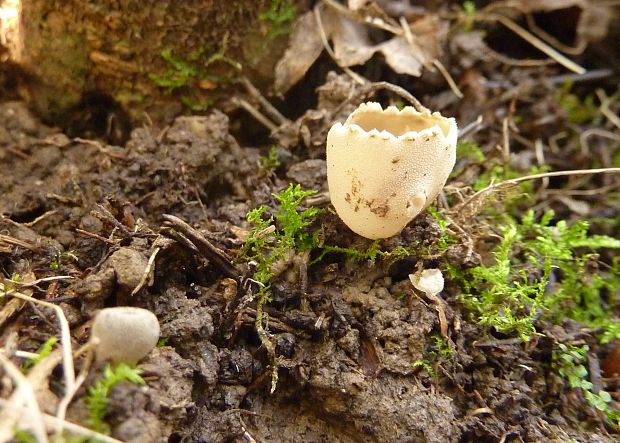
{"x":557,"y":174}
{"x":103,"y":212}
{"x":40,"y":217}
{"x":515,"y":181}
{"x":267,"y":106}
{"x":551,"y":40}
{"x":472,"y":127}
{"x":406,"y":31}
{"x":93,"y":235}
{"x":453,"y":86}
{"x":65,"y":337}
{"x":43,"y":280}
{"x":20,"y":354}
{"x":319,"y":22}
{"x":585,"y":135}
{"x":539,"y":44}
{"x":24,"y":395}
{"x":371,"y":88}
{"x":199,"y":242}
{"x":51,"y":421}
{"x":147,"y":271}
{"x":15,"y":242}
{"x":256,"y":114}
{"x":81,"y":378}
{"x":605,"y":109}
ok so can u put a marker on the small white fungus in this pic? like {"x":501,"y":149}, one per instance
{"x":429,"y":281}
{"x":124,"y":334}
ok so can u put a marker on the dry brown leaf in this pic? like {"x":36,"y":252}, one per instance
{"x":352,"y":45}
{"x":400,"y":56}
{"x":430,"y":33}
{"x":304,"y":48}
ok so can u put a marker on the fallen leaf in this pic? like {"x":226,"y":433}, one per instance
{"x":353,"y":46}
{"x":399,"y":55}
{"x":304,"y":48}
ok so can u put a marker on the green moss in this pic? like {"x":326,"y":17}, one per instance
{"x":577,"y":110}
{"x":278,"y":17}
{"x":45,"y":350}
{"x":271,"y":238}
{"x":470,"y":150}
{"x":438,"y":352}
{"x":271,"y":161}
{"x":97,"y":399}
{"x":515,"y":291}
{"x":569,"y":361}
{"x":190,"y":74}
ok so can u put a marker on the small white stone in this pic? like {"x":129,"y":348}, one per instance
{"x":124,"y":334}
{"x":429,"y":281}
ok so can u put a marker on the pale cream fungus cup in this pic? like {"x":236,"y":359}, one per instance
{"x":385,"y":166}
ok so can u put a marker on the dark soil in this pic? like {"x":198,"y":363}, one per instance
{"x":347,"y":333}
{"x":346,"y":346}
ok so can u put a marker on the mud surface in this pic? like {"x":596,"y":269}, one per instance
{"x":347,"y":337}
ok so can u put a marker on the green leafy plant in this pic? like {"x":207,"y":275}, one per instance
{"x":497,"y":173}
{"x":569,"y":361}
{"x":196,"y":71}
{"x":98,"y":394}
{"x":180,"y":72}
{"x":60,"y":258}
{"x":470,"y":150}
{"x":515,"y":291}
{"x":374,"y":252}
{"x":44,"y":351}
{"x":577,"y":110}
{"x":468,"y":17}
{"x":22,"y":436}
{"x":279,"y":17}
{"x":271,"y":161}
{"x":438,"y":352}
{"x":272,"y":238}
{"x":446,"y":238}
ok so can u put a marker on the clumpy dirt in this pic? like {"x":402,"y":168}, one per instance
{"x":346,"y":343}
{"x":159,"y":222}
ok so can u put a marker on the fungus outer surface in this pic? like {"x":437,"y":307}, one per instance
{"x":385,"y":166}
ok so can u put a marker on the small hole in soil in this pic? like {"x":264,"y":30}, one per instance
{"x":216,"y":189}
{"x":246,"y":130}
{"x":560,"y":24}
{"x":97,"y":116}
{"x":29,"y":215}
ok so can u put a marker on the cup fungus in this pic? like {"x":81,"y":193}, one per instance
{"x":385,"y":166}
{"x":124,"y":334}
